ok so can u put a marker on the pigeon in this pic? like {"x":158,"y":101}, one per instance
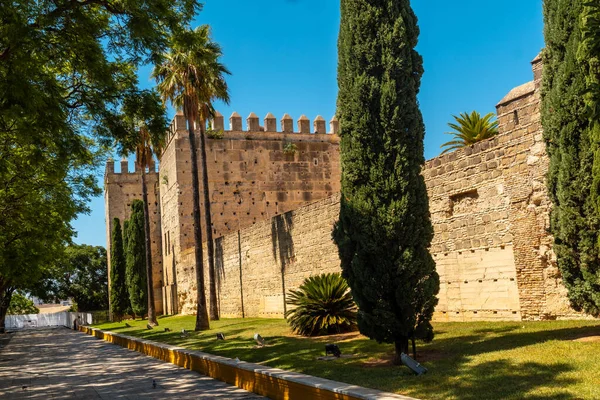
{"x":184,"y":333}
{"x":220,"y":336}
{"x":148,"y":326}
{"x":127,"y":325}
{"x":153,"y":384}
{"x":167,"y":330}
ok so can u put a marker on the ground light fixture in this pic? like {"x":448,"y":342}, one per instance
{"x":412,"y":364}
{"x":332,"y":349}
{"x":259,"y":340}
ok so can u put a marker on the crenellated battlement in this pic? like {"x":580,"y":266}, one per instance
{"x":269,"y":125}
{"x":125,"y":170}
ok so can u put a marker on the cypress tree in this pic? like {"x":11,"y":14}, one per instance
{"x":136,"y":260}
{"x":119,"y":298}
{"x":384,"y":230}
{"x":571,"y":147}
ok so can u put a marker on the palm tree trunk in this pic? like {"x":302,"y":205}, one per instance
{"x":214,"y":309}
{"x":151,"y":312}
{"x":202,"y":322}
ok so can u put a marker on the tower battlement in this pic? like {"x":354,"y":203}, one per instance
{"x":270,"y":126}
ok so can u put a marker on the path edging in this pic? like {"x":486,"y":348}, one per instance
{"x":266,"y":381}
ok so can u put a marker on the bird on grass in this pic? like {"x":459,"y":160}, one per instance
{"x":127,"y":325}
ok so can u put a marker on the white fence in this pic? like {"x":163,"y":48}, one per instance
{"x":45,"y":320}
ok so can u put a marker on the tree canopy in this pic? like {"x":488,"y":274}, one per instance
{"x":80,"y":275}
{"x":135,"y":256}
{"x":67,"y":71}
{"x":119,"y":298}
{"x":573,"y":143}
{"x":20,"y":304}
{"x":384,"y":229}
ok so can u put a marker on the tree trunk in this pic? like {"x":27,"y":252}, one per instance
{"x":151,"y":312}
{"x":5,"y":297}
{"x":202,"y":322}
{"x":401,"y":346}
{"x":210,"y":245}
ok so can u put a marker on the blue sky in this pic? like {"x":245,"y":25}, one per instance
{"x":283,"y":59}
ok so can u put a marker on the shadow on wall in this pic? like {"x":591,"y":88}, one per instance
{"x":283,"y":245}
{"x":219,"y":267}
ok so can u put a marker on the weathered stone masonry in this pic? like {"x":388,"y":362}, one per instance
{"x":273,"y":212}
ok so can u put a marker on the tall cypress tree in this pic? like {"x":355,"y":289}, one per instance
{"x":384,"y":229}
{"x":574,"y":220}
{"x":136,"y":260}
{"x":119,"y":298}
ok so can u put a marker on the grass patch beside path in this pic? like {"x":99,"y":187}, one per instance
{"x":466,"y":361}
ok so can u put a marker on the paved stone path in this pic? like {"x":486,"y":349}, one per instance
{"x":63,"y":364}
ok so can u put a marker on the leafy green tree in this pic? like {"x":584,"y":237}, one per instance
{"x":384,"y":230}
{"x":470,"y":129}
{"x":191,"y":77}
{"x":573,"y":151}
{"x":82,"y":275}
{"x":136,"y":260}
{"x":119,"y":298}
{"x":65,"y":69}
{"x":322,"y":305}
{"x":20,"y":305}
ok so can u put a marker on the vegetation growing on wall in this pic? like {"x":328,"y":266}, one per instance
{"x":573,"y":150}
{"x":384,"y":229}
{"x":470,"y":129}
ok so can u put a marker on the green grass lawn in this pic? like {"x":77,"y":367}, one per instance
{"x":478,"y":360}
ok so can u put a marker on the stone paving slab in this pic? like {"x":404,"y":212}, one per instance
{"x":62,"y":364}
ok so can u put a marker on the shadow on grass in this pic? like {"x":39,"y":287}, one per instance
{"x":499,"y":379}
{"x":454,"y":371}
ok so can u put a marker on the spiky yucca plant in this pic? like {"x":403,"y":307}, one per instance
{"x":322,"y":305}
{"x":470,"y":129}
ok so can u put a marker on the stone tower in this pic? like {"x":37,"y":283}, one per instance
{"x":120,"y":189}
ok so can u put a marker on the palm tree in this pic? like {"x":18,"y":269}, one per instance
{"x":191,"y":77}
{"x":144,"y":155}
{"x":470,"y":129}
{"x":323,"y":305}
{"x":144,"y":132}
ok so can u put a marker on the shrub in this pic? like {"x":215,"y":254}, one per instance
{"x":323,"y":305}
{"x":289,"y":149}
{"x":20,"y":304}
{"x":215,"y":134}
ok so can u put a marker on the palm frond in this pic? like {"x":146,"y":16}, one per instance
{"x":322,"y":305}
{"x":469,"y":129}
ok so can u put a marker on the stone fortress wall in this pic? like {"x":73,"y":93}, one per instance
{"x":254,"y":174}
{"x":273,"y":212}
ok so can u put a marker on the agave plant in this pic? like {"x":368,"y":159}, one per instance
{"x":470,"y":129}
{"x":322,"y":305}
